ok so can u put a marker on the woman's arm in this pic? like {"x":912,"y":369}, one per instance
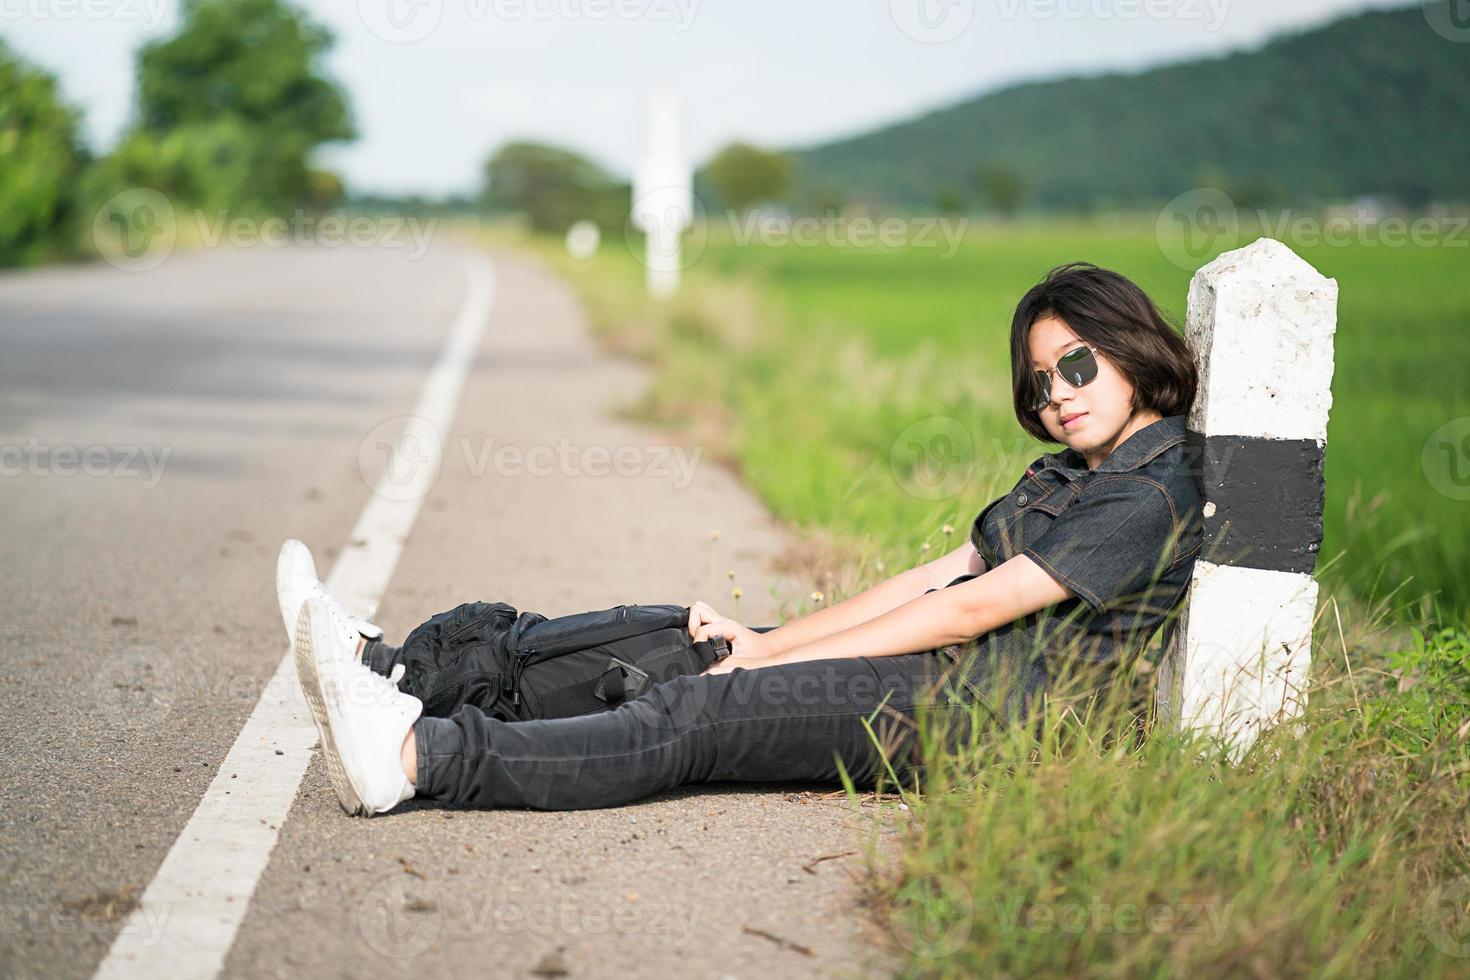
{"x":957,"y":614}
{"x":879,"y":599}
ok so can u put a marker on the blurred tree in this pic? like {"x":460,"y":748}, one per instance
{"x":553,"y":187}
{"x":949,"y":200}
{"x":324,"y":190}
{"x":822,"y":199}
{"x":206,"y":166}
{"x":744,"y":175}
{"x":230,"y":110}
{"x":253,"y":59}
{"x":1000,"y":187}
{"x":1256,"y":192}
{"x":40,"y":158}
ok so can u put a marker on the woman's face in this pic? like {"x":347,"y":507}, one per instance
{"x":1103,"y":417}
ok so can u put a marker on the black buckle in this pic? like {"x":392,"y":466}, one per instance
{"x":613,"y":685}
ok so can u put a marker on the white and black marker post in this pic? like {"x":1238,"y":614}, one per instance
{"x":1261,"y":323}
{"x":663,"y":195}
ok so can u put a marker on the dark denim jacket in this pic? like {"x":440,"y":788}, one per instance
{"x":1123,"y":538}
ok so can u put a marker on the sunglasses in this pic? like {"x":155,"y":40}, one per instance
{"x":1077,"y":367}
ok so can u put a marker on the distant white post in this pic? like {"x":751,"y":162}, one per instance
{"x":663,"y":195}
{"x":1261,"y":323}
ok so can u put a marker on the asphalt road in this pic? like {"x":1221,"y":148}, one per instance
{"x":162,"y":431}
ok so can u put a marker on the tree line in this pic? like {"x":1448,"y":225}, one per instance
{"x":228,"y":112}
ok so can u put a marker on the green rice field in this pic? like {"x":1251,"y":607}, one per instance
{"x":865,"y":390}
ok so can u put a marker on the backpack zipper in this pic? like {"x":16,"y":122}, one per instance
{"x":474,"y":623}
{"x":517,"y":665}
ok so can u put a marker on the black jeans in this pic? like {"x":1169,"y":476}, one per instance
{"x":798,"y":721}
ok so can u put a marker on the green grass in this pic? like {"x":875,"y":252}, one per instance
{"x":1337,"y":847}
{"x":863,"y":393}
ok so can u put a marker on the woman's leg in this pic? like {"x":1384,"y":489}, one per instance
{"x":380,"y":655}
{"x":789,"y":721}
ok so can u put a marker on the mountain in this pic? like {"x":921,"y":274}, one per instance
{"x":1376,"y":103}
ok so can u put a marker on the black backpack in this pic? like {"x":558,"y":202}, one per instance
{"x":516,"y":666}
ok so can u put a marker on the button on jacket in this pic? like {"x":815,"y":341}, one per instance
{"x":1123,"y":538}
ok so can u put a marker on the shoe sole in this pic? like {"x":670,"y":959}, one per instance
{"x":286,"y":560}
{"x":311,"y":686}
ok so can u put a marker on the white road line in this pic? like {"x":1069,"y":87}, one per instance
{"x":187,"y":920}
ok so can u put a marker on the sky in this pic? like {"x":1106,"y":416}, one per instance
{"x":437,"y":85}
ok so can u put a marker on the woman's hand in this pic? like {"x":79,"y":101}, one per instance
{"x":700,"y":613}
{"x":747,"y":647}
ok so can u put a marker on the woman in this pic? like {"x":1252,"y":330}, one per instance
{"x":1090,"y":550}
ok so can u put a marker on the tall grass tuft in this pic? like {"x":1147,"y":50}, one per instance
{"x":1087,"y":838}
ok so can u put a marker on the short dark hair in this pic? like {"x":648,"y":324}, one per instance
{"x":1112,"y":313}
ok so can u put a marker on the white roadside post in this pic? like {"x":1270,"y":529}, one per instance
{"x":1261,"y":323}
{"x":583,"y":238}
{"x":663,"y":196}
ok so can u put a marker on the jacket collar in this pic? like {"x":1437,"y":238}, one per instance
{"x":1134,"y":452}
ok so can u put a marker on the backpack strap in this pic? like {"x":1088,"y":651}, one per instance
{"x":715,"y":648}
{"x":621,"y":681}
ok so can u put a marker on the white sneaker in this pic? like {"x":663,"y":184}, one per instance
{"x":296,"y":581}
{"x":361,"y":715}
